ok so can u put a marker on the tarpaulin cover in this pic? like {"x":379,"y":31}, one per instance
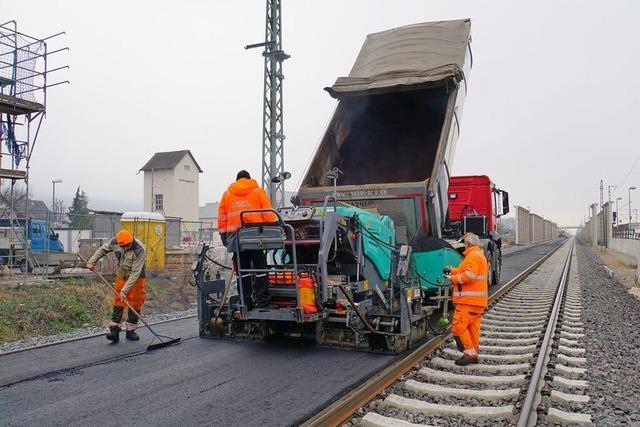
{"x":420,"y":54}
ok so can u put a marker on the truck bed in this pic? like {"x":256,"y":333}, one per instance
{"x":397,"y":107}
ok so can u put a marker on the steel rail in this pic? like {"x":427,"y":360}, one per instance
{"x":529,"y":411}
{"x":344,"y":408}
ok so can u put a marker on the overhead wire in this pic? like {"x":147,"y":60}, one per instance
{"x":627,"y":175}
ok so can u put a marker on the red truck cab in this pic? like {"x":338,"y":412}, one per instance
{"x":477,"y":195}
{"x":475,"y":204}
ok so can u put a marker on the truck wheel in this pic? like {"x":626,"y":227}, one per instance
{"x":25,"y":267}
{"x":498,"y":269}
{"x":490,"y":274}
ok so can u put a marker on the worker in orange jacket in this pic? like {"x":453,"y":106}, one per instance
{"x":470,"y":293}
{"x":245,"y":195}
{"x":130,"y":281}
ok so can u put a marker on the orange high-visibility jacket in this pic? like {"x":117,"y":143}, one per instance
{"x":243,"y":195}
{"x":469,"y":279}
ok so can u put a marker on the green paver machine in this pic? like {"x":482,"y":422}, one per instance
{"x":365,"y":233}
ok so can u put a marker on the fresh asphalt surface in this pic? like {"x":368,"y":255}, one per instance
{"x":517,"y":259}
{"x":212,"y":382}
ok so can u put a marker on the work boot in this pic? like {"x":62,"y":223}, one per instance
{"x":114,"y":333}
{"x":459,"y":344}
{"x":132,"y":336}
{"x":467,"y":360}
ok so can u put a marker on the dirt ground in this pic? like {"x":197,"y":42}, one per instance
{"x":31,"y":306}
{"x":624,"y":267}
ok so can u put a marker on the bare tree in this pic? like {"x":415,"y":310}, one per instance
{"x":18,"y":197}
{"x":59,"y":213}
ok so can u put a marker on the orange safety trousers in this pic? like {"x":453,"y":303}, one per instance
{"x":466,"y":326}
{"x":136,"y":295}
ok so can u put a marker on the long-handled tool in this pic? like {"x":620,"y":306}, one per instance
{"x":159,"y":337}
{"x":216,"y":322}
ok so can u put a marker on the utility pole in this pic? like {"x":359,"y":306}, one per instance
{"x":273,"y":174}
{"x":601,"y":193}
{"x":630,"y":188}
{"x":610,"y":187}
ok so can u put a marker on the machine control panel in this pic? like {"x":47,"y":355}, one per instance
{"x":298,"y":214}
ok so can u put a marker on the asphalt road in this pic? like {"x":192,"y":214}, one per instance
{"x":200,"y":381}
{"x":517,"y":259}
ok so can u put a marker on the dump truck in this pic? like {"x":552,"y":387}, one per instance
{"x":390,"y":145}
{"x":358,"y":261}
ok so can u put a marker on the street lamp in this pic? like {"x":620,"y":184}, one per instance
{"x":53,"y":201}
{"x":630,"y":188}
{"x":617,"y":212}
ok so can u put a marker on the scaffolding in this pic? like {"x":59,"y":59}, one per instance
{"x":25,"y":77}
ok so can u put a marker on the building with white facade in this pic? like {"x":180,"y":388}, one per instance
{"x":209,"y":214}
{"x":171,"y":185}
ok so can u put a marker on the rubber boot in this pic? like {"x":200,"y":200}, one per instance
{"x":114,"y":330}
{"x":132,"y":321}
{"x":114,"y":334}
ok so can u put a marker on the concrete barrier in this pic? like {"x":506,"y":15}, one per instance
{"x":629,"y":247}
{"x":536,"y":229}
{"x":522,"y":226}
{"x":626,"y":246}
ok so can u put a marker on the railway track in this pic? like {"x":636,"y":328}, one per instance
{"x":531,"y":365}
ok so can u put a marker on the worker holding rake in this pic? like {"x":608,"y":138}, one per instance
{"x":129,"y":284}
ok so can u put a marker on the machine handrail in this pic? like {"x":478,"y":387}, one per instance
{"x":324,"y":210}
{"x":280,"y":221}
{"x":237,"y":251}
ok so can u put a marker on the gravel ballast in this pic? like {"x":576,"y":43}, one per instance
{"x":611,"y":319}
{"x":541,"y":282}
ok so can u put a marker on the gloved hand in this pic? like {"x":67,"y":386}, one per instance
{"x":123,"y":296}
{"x":90,"y":265}
{"x":446,"y":270}
{"x":223,"y":236}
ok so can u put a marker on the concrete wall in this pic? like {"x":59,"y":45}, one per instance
{"x":537,"y":228}
{"x":598,"y":231}
{"x":626,"y":246}
{"x":532,"y":228}
{"x":629,"y":247}
{"x":547,"y":230}
{"x":522,"y":226}
{"x":594,"y":225}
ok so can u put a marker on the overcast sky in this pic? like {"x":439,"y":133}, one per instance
{"x":553,"y":103}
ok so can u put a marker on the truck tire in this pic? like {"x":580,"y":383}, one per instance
{"x":490,"y":263}
{"x":498,"y":268}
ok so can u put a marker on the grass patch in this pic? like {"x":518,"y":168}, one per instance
{"x":47,"y":309}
